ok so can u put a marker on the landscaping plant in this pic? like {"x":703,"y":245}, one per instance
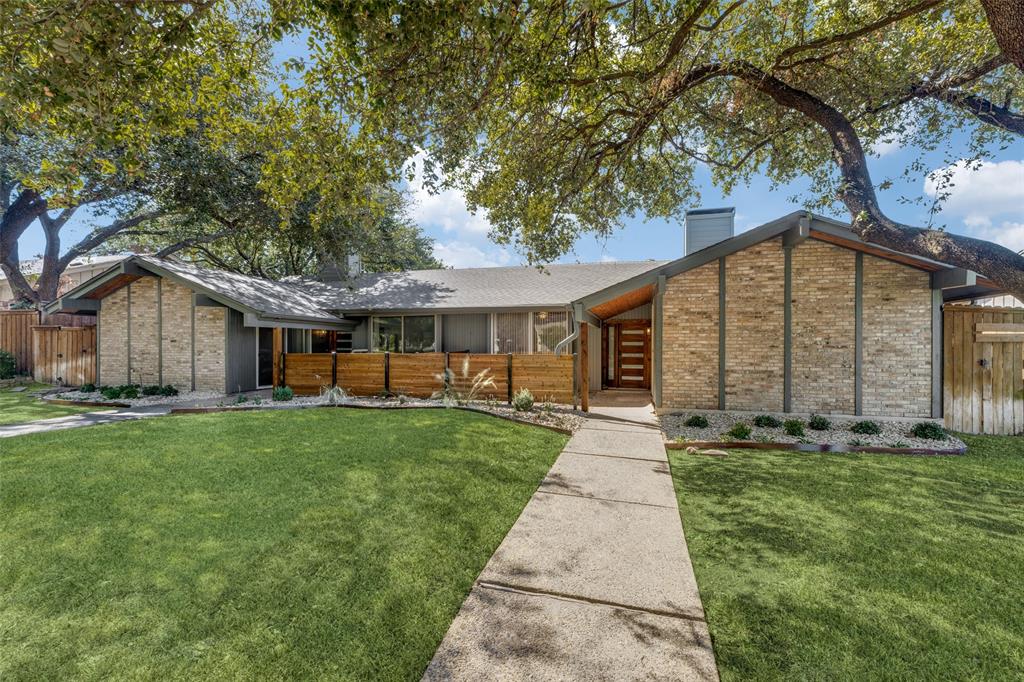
{"x":866,"y":428}
{"x":87,"y":388}
{"x":283,"y":394}
{"x":151,"y":390}
{"x":129,"y":392}
{"x":794,"y":427}
{"x":697,"y":421}
{"x":767,"y":421}
{"x":522,"y":401}
{"x":928,"y":431}
{"x":168,"y":391}
{"x":819,"y":423}
{"x":739,"y":431}
{"x":334,"y":395}
{"x":7,"y":365}
{"x":111,"y":392}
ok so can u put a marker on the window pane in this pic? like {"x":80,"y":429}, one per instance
{"x":321,"y":341}
{"x":387,"y":334}
{"x":548,"y":330}
{"x":419,"y":334}
{"x":512,"y":333}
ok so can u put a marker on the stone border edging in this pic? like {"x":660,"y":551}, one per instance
{"x":84,"y":403}
{"x":253,"y":408}
{"x":811,"y":447}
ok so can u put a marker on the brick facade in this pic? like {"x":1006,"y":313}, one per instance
{"x":690,"y":339}
{"x":824,"y":281}
{"x":896,"y":304}
{"x":176,"y":334}
{"x":145,"y":329}
{"x":211,"y":328}
{"x":161,"y":337}
{"x":754,"y":327}
{"x":897,"y":369}
{"x":113,"y":333}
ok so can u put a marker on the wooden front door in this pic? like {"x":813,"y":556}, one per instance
{"x":631,"y":354}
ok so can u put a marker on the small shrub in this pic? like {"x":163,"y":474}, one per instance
{"x":335,"y":395}
{"x":168,"y":391}
{"x":6,"y":365}
{"x":819,"y":423}
{"x":794,"y":427}
{"x":241,"y":398}
{"x":111,"y":392}
{"x":283,"y":393}
{"x":766,"y":421}
{"x":697,"y":421}
{"x":739,"y":431}
{"x":129,"y":392}
{"x":857,"y":442}
{"x":866,"y":428}
{"x":151,"y":390}
{"x":87,"y":388}
{"x":928,"y":431}
{"x":898,"y":444}
{"x":522,"y":401}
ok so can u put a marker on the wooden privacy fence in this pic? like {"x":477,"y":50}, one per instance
{"x":983,"y":369}
{"x":420,"y":375}
{"x":16,"y":337}
{"x":64,"y":355}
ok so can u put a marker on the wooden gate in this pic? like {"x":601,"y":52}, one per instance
{"x":983,"y":371}
{"x":64,"y":355}
{"x":16,"y":337}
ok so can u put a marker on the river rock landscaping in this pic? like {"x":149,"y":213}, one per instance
{"x":840,"y":431}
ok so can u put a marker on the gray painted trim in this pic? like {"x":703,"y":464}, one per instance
{"x":957,"y":277}
{"x":227,"y":366}
{"x":937,"y":352}
{"x":99,"y":329}
{"x":721,"y":333}
{"x":787,"y":334}
{"x":204,"y":301}
{"x":384,"y":312}
{"x":795,"y":235}
{"x":253,"y":320}
{"x":160,"y":330}
{"x":193,"y":343}
{"x":128,"y":364}
{"x":858,"y":334}
{"x":658,"y":370}
{"x":78,"y":304}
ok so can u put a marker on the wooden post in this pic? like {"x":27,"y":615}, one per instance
{"x":584,"y":367}
{"x":334,"y":368}
{"x":387,"y":372}
{"x":332,"y":340}
{"x":278,"y":350}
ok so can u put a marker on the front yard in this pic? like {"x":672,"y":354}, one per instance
{"x":819,"y":566}
{"x":21,"y":406}
{"x":309,"y":543}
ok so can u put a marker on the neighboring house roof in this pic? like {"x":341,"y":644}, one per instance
{"x":35,"y":265}
{"x":554,"y":286}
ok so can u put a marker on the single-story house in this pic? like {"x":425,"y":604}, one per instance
{"x":797,"y":315}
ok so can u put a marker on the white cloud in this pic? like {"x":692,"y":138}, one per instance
{"x":462,"y":255}
{"x":446,"y":209}
{"x":1008,"y":233}
{"x":608,"y":258}
{"x":980,"y":191}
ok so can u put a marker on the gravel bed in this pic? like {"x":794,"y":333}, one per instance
{"x":895,"y":434}
{"x":194,"y":397}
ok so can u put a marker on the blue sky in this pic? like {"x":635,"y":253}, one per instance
{"x":987,"y":202}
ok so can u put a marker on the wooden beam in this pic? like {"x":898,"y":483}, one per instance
{"x":278,"y":350}
{"x":627,"y":301}
{"x":584,"y":367}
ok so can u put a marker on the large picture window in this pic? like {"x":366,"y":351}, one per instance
{"x":548,"y":330}
{"x":512,"y":333}
{"x":387,"y":334}
{"x":409,"y":334}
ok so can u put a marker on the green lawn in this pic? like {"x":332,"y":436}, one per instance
{"x":332,"y":544}
{"x":834,"y":567}
{"x":19,"y":407}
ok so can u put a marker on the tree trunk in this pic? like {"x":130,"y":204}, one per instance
{"x":15,"y":220}
{"x":1006,"y":19}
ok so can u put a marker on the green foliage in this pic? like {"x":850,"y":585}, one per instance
{"x":21,"y":407}
{"x":739,"y":431}
{"x":87,"y":388}
{"x":129,"y":392}
{"x":283,"y":393}
{"x":111,"y":392}
{"x":151,"y":390}
{"x":794,"y":427}
{"x":481,"y":385}
{"x":697,"y":421}
{"x":7,"y":364}
{"x":819,"y":423}
{"x":866,"y":428}
{"x":767,"y":421}
{"x":928,"y":430}
{"x":522,"y":401}
{"x":333,"y":395}
{"x":168,"y":391}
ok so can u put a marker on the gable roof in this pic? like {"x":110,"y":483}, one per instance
{"x":554,"y":286}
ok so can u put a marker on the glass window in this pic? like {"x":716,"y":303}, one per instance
{"x":419,"y":334}
{"x":321,"y":342}
{"x":344,"y":342}
{"x":512,"y":333}
{"x":548,"y":330}
{"x":387,"y":334}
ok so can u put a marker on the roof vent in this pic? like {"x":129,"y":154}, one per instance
{"x":707,"y":226}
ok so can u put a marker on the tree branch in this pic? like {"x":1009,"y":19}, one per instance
{"x":193,"y":241}
{"x":101,"y":235}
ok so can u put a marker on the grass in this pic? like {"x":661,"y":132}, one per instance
{"x":827,"y":567}
{"x":16,"y":408}
{"x":334,"y":544}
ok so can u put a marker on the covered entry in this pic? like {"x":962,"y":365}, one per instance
{"x":626,"y":353}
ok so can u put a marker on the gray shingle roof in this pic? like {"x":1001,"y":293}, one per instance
{"x":269,"y":298}
{"x":474,"y":288}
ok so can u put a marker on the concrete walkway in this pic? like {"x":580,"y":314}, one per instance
{"x":594,"y":579}
{"x":75,"y":421}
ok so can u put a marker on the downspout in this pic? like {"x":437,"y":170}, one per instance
{"x":577,"y":310}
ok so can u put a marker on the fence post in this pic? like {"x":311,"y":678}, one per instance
{"x":334,"y":368}
{"x":387,"y":372}
{"x":508,"y":373}
{"x":445,"y":381}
